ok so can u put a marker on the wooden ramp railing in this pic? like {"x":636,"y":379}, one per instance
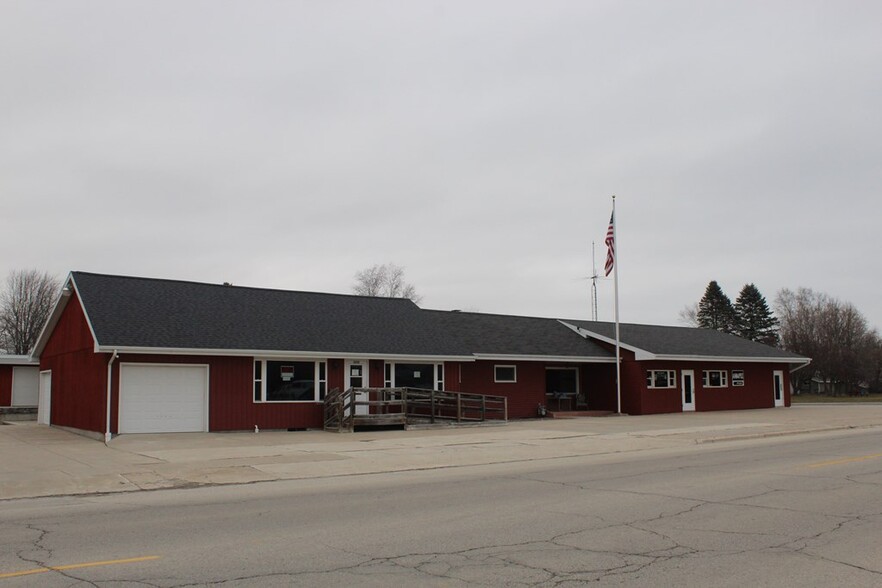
{"x":347,"y":409}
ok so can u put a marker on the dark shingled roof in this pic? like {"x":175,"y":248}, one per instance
{"x":142,"y":312}
{"x":128,"y":312}
{"x":513,"y":335}
{"x":663,"y":340}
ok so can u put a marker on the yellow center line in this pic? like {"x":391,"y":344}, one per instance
{"x":845,"y":460}
{"x":90,"y":564}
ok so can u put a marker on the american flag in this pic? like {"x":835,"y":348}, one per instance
{"x":610,"y":245}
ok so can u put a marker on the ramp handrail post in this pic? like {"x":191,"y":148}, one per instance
{"x":352,"y":397}
{"x":458,"y":407}
{"x":432,"y":405}
{"x":483,"y":408}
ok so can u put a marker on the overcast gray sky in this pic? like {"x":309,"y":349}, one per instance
{"x":290,"y":144}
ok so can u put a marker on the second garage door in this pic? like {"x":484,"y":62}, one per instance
{"x":163,"y":398}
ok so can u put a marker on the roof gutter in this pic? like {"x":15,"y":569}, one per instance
{"x":801,"y":365}
{"x":270,"y":354}
{"x":113,"y":357}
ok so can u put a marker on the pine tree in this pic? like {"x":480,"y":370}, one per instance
{"x":715,"y":310}
{"x":753,"y":318}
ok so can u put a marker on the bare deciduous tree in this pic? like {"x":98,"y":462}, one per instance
{"x":386,"y":280}
{"x":833,"y":333}
{"x":688,"y":316}
{"x":25,"y":304}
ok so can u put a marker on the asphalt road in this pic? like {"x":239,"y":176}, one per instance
{"x":791,"y":511}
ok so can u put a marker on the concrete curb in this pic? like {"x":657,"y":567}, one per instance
{"x":747,"y":437}
{"x":45,"y":462}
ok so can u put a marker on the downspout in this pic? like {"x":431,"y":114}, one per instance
{"x":113,"y":357}
{"x":800,"y":366}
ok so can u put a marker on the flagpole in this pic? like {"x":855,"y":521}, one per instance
{"x":616,"y":281}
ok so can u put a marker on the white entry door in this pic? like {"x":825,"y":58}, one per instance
{"x":687,"y":385}
{"x":44,"y":408}
{"x":778,"y":382}
{"x":357,"y":377}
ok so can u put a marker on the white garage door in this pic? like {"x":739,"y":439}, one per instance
{"x":163,"y":398}
{"x":25,"y":386}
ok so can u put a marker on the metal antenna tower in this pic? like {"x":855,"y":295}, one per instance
{"x":594,"y":277}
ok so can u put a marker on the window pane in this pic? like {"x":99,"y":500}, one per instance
{"x":661,"y":379}
{"x":256,"y":391}
{"x":257,"y":369}
{"x":290,"y":380}
{"x":504,"y":373}
{"x":414,"y":375}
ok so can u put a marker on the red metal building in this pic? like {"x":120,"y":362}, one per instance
{"x":18,"y":381}
{"x":125,"y":355}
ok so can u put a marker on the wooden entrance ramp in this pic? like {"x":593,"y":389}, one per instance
{"x":379,"y":407}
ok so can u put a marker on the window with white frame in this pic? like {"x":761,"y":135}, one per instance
{"x":289,"y":380}
{"x":439,"y":376}
{"x":715,"y":379}
{"x":414,"y":375}
{"x":661,"y":379}
{"x":505,"y":374}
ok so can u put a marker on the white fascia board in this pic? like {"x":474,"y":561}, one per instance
{"x":270,"y":354}
{"x":801,"y":365}
{"x":85,"y":314}
{"x":546,"y":358}
{"x":639,"y":354}
{"x":54,"y":316}
{"x":729,"y":359}
{"x":6,"y":359}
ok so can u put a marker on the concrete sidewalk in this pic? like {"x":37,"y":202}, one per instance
{"x":44,"y":461}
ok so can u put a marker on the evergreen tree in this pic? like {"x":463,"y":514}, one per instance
{"x":715,"y":310}
{"x":753,"y":318}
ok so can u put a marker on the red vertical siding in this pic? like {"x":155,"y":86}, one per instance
{"x":377,"y":369}
{"x":451,"y":376}
{"x":79,"y":375}
{"x":598,"y":382}
{"x":757,"y":392}
{"x":5,"y":385}
{"x":633,"y":384}
{"x":524,"y":396}
{"x":334,"y":373}
{"x":231,"y":405}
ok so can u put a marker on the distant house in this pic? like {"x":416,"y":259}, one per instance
{"x":132,"y":355}
{"x":18,"y":381}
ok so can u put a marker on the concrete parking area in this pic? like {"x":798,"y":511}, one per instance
{"x":43,"y":461}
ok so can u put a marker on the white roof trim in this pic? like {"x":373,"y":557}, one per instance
{"x":267,"y":354}
{"x":549,"y":358}
{"x":644,"y":355}
{"x":723,"y":358}
{"x":639,"y":354}
{"x":85,"y":313}
{"x":54,"y":316}
{"x":6,"y":359}
{"x":272,"y":353}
